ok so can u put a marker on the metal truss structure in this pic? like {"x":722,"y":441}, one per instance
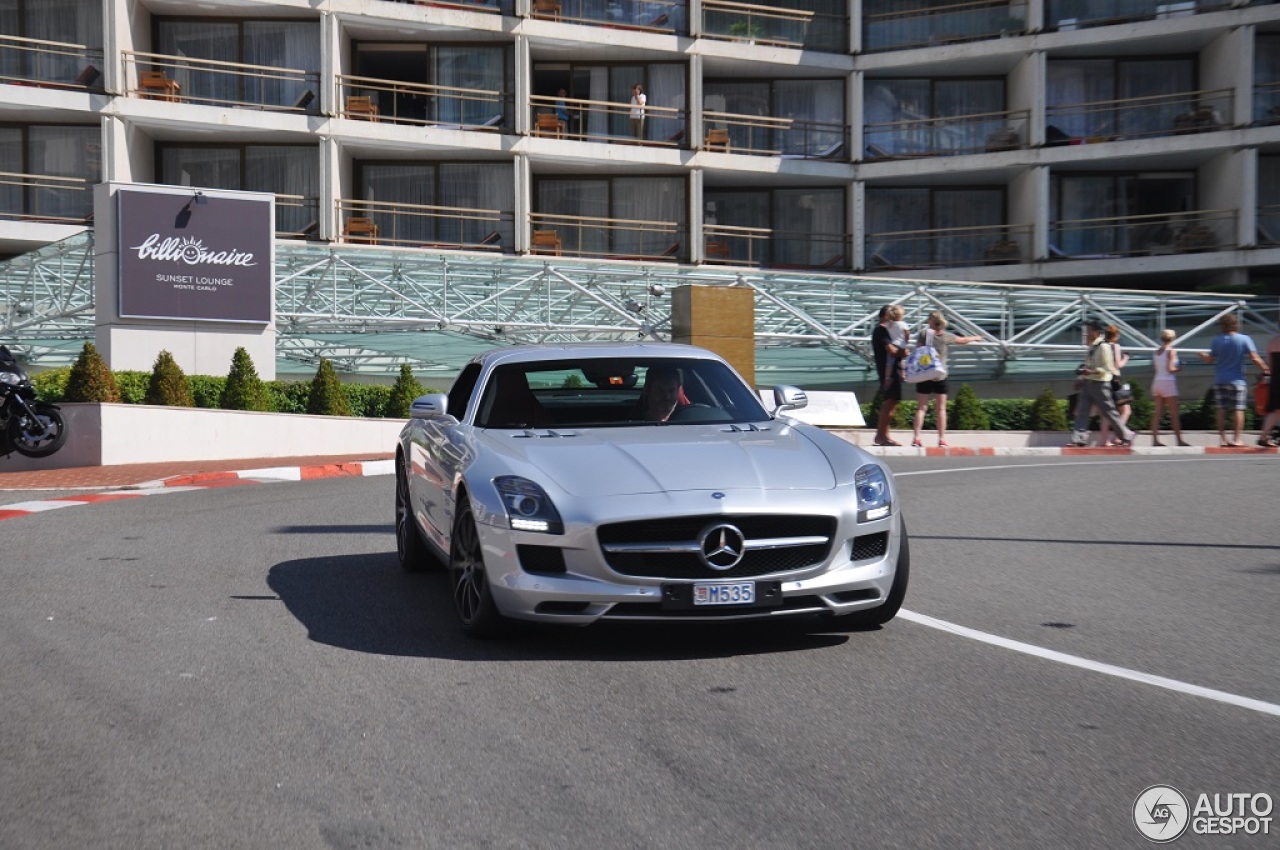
{"x":370,"y":309}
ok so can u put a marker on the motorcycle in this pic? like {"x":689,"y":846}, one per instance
{"x":34,"y":428}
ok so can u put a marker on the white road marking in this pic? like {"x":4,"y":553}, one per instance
{"x":1094,"y":666}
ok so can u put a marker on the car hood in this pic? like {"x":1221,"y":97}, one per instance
{"x":666,"y":459}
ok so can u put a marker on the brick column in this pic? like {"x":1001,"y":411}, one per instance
{"x":719,"y":318}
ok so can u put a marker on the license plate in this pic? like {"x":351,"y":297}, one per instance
{"x":737,"y":593}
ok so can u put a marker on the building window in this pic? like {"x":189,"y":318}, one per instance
{"x":291,"y":172}
{"x":52,"y":170}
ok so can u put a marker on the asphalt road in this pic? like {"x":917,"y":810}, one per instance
{"x":248,"y":667}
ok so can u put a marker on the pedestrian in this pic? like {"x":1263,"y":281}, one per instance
{"x":940,"y":338}
{"x":1164,"y":388}
{"x":638,"y":101}
{"x":1230,"y":390}
{"x":1120,"y":390}
{"x":1272,"y":419}
{"x":887,"y":354}
{"x":1095,"y":388}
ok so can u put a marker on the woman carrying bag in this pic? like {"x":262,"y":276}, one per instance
{"x":937,"y":336}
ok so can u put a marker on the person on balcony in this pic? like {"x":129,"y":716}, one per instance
{"x":638,"y":101}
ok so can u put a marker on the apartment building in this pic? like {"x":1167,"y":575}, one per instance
{"x":1126,"y":143}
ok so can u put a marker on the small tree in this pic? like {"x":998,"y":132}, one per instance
{"x":244,"y":390}
{"x":1047,"y":413}
{"x":327,"y":396}
{"x":403,"y":392}
{"x":169,"y":385}
{"x":967,"y":413}
{"x":90,"y":379}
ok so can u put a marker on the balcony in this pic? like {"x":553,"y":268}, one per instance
{"x":608,"y":122}
{"x":426,"y":226}
{"x":985,"y":132}
{"x":1176,"y":114}
{"x":948,"y":247}
{"x":768,"y":25}
{"x":155,"y":76}
{"x":761,"y":135}
{"x":1066,"y":15}
{"x":607,"y":238}
{"x":1266,"y":104}
{"x":1269,"y":225}
{"x":46,"y":198}
{"x":50,"y":64}
{"x":1192,"y":232}
{"x":765,"y":247}
{"x":492,"y":7}
{"x":447,"y":107}
{"x":888,"y":26}
{"x":297,"y":217}
{"x":660,"y":16}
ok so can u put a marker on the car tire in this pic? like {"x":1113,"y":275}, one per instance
{"x":887,"y":610}
{"x":468,"y":580}
{"x":410,"y":550}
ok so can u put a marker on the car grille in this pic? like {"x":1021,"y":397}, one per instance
{"x":812,"y":533}
{"x":870,"y":546}
{"x":654,"y":610}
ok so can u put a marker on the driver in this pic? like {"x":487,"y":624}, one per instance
{"x":662,"y":393}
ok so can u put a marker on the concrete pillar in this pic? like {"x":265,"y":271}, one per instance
{"x":719,"y":318}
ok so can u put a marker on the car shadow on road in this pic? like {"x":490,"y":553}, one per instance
{"x":366,"y":603}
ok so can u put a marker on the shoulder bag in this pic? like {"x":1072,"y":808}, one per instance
{"x":924,"y":363}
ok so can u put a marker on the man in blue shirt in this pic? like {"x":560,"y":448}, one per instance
{"x":1230,"y":389}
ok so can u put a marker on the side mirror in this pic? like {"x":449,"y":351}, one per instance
{"x":429,"y":406}
{"x":788,"y":398}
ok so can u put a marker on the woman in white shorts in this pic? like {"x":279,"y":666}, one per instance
{"x":1164,"y":388}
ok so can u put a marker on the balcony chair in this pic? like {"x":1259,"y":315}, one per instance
{"x":545,"y":242}
{"x":717,"y":250}
{"x":549,"y":125}
{"x":361,"y":106}
{"x":155,"y":85}
{"x":362,"y":230}
{"x":717,"y":139}
{"x":546,"y":9}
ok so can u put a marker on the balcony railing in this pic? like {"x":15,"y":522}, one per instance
{"x":961,"y":134}
{"x":426,"y":226}
{"x":762,"y":135}
{"x":755,"y":24}
{"x":452,"y":107}
{"x":53,"y":64}
{"x":155,"y":76}
{"x":1143,"y":235}
{"x":607,"y":238}
{"x":45,"y":197}
{"x":297,"y":217}
{"x":895,"y":29}
{"x":1175,"y":114}
{"x":1065,"y":15}
{"x":1266,"y":103}
{"x":606,"y":121}
{"x":492,"y":7}
{"x":662,"y":16}
{"x":765,"y":247}
{"x":947,"y":247}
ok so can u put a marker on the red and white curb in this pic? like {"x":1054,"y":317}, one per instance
{"x":205,"y":481}
{"x":1068,"y":451}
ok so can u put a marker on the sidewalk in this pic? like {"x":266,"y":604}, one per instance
{"x":196,"y":472}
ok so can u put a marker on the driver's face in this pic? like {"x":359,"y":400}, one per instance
{"x":662,"y":395}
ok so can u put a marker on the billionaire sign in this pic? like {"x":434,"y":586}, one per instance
{"x":195,"y":256}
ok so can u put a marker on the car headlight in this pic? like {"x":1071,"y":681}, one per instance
{"x":528,"y":507}
{"x":874,"y":499}
{"x":10,"y":378}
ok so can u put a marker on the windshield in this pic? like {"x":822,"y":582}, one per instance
{"x":612,"y":393}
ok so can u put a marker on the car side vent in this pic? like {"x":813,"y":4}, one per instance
{"x":540,"y":559}
{"x":548,"y":432}
{"x":870,"y":546}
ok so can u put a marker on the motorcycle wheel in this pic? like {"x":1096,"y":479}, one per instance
{"x":38,"y":436}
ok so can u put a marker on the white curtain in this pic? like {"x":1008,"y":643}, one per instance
{"x":281,"y":44}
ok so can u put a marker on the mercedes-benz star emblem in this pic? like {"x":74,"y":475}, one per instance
{"x":722,"y":546}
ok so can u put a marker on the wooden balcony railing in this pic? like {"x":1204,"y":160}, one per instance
{"x":661,"y":16}
{"x":952,"y":135}
{"x":947,"y":247}
{"x":50,"y":64}
{"x":426,"y":225}
{"x":155,"y":76}
{"x":765,"y":247}
{"x":606,"y":121}
{"x":46,"y":198}
{"x":762,"y":135}
{"x":1189,"y":232}
{"x":755,"y":24}
{"x":371,"y":99}
{"x":1175,"y":114}
{"x":608,"y":238}
{"x":889,"y":28}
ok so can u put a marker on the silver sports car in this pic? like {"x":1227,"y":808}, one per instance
{"x":642,"y":481}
